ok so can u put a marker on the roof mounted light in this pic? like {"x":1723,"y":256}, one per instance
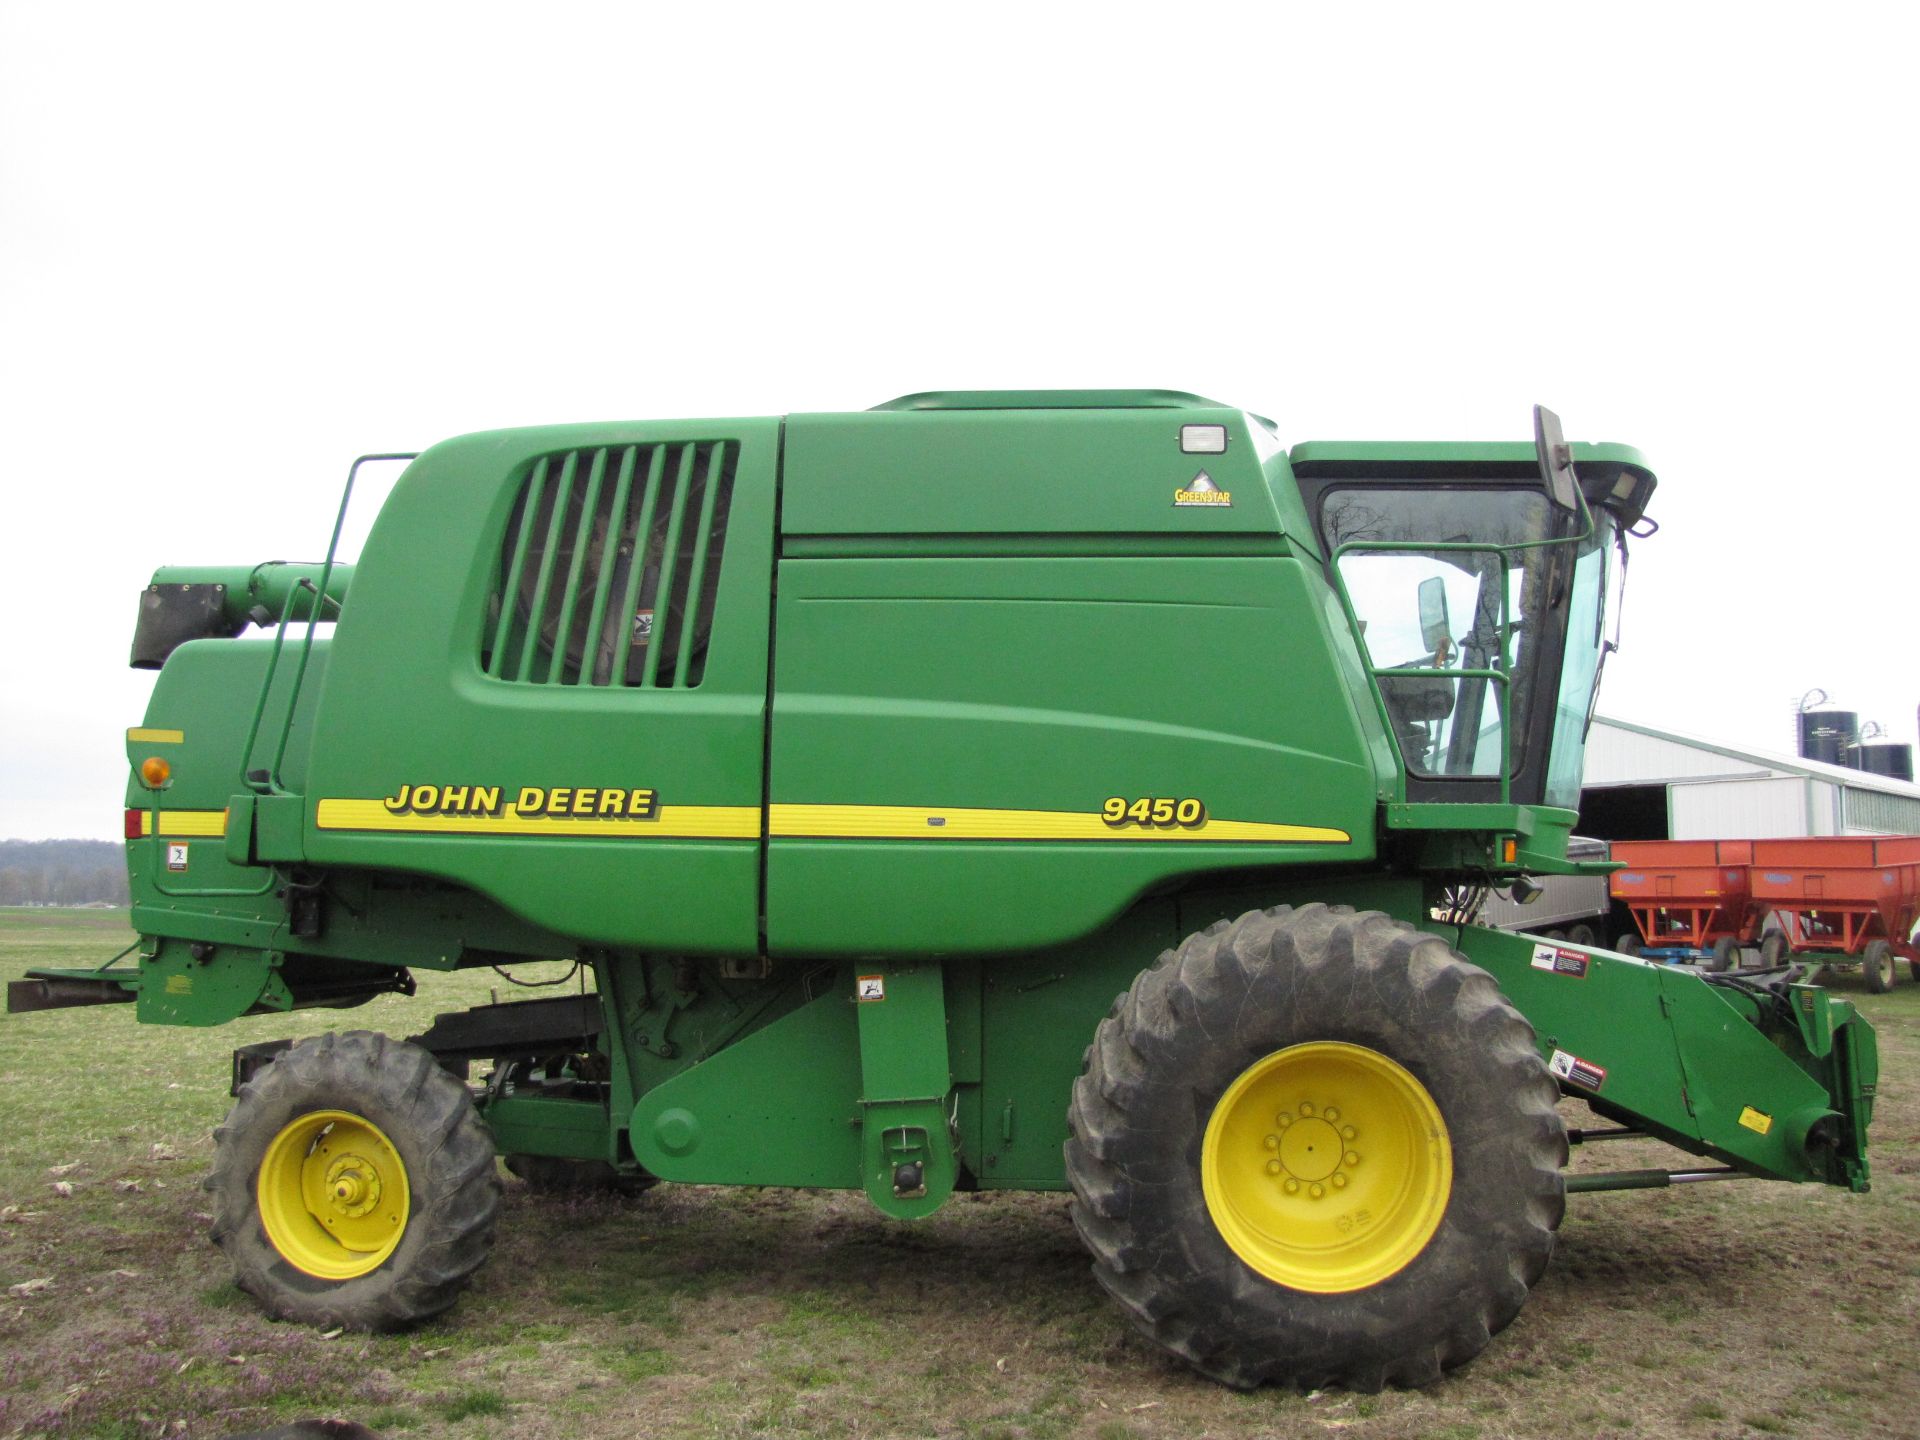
{"x":1203,"y":439}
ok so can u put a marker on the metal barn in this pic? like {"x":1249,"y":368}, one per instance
{"x":1647,"y":784}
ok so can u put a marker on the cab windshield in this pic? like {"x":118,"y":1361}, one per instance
{"x":1465,"y":617}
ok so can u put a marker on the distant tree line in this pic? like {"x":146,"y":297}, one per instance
{"x":62,"y":872}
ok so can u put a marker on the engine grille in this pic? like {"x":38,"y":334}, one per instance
{"x":610,"y":565}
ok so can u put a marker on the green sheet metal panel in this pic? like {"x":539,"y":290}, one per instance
{"x":903,"y":1032}
{"x":948,"y":734}
{"x":1039,"y":1014}
{"x":178,"y":989}
{"x":779,"y":1107}
{"x":1659,"y":1047}
{"x":541,"y":1125}
{"x":407,"y":702}
{"x":189,"y":862}
{"x":1011,"y":472}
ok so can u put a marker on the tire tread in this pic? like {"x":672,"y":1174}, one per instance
{"x":453,"y":1166}
{"x":1216,"y":1314}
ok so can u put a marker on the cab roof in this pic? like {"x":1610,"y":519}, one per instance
{"x":1405,"y":455}
{"x":1052,"y":400}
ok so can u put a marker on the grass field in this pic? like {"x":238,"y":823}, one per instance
{"x":1721,"y":1310}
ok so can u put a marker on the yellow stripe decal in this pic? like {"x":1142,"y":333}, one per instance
{"x":911,"y":822}
{"x":674,"y":822}
{"x":138,"y":736}
{"x":183,"y":823}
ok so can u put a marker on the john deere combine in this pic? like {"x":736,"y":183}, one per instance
{"x":861,"y":761}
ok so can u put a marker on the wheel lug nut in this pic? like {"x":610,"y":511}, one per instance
{"x":1293,"y":1187}
{"x":1273,"y":1167}
{"x":1306,"y":1107}
{"x":1347,"y":1132}
{"x":1272,"y":1142}
{"x":1283,"y":1119}
{"x":1330,"y":1114}
{"x":1352,"y":1157}
{"x":1339,"y":1182}
{"x":1317,"y":1191}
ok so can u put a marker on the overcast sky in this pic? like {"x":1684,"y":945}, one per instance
{"x":240,"y":245}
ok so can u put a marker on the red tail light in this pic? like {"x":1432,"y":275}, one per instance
{"x":133,"y":823}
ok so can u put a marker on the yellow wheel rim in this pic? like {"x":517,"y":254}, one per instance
{"x":1326,"y":1167}
{"x":333,"y":1195}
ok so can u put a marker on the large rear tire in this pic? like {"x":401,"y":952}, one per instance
{"x":1243,"y":1078}
{"x":354,"y":1184}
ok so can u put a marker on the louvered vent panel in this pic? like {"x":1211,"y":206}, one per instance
{"x":610,"y":567}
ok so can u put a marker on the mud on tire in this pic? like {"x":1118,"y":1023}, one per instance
{"x":449,"y":1162}
{"x":1240,"y":992}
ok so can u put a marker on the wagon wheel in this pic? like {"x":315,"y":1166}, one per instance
{"x":1876,"y":965}
{"x":1725,"y":956}
{"x":1628,"y":944}
{"x":1775,"y":950}
{"x":1582,"y":935}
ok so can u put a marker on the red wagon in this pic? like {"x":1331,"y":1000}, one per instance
{"x":1689,"y":899}
{"x":1850,"y":897}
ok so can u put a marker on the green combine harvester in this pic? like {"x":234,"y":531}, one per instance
{"x":1032,"y":791}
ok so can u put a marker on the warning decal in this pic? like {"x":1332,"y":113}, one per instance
{"x":870,"y":987}
{"x":176,"y":856}
{"x":1575,"y":1071}
{"x":1561,"y":962}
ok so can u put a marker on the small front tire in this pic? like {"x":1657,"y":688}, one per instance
{"x":354,"y":1184}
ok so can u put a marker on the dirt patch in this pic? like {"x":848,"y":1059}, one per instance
{"x":1725,"y":1310}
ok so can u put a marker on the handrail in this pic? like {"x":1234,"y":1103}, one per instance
{"x":1496,"y":676}
{"x":268,"y":782}
{"x":259,"y":780}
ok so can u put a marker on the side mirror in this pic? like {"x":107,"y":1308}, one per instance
{"x":1555,"y":455}
{"x":1435,"y":627}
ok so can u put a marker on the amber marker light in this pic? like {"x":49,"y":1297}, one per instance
{"x":1510,"y":849}
{"x":155,"y":772}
